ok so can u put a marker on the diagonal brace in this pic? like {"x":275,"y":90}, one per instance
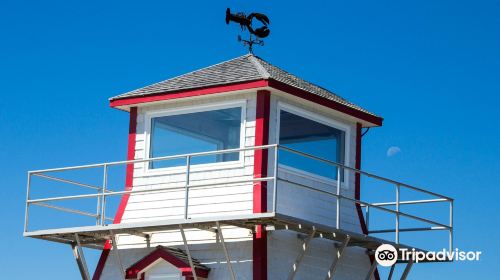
{"x":301,"y":255}
{"x":186,"y":247}
{"x":371,"y":271}
{"x":80,"y":258}
{"x":391,"y":272}
{"x":340,"y":253}
{"x":117,"y":253}
{"x":407,"y":269}
{"x":224,"y":248}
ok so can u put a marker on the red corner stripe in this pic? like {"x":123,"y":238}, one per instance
{"x":129,"y":177}
{"x":357,"y":189}
{"x":260,"y":188}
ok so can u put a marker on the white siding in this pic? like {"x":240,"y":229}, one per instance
{"x":284,"y":246}
{"x":217,"y":200}
{"x":307,"y":204}
{"x":222,"y":199}
{"x":237,"y":199}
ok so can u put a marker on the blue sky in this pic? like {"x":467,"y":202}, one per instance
{"x":430,"y":68}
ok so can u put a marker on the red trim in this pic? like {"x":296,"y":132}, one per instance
{"x":357,"y":179}
{"x":128,"y":186}
{"x":188,"y":93}
{"x":357,"y":188}
{"x":326,"y":102}
{"x":102,"y":261}
{"x":160,"y":253}
{"x":260,"y":157}
{"x":250,"y":85}
{"x":260,"y":188}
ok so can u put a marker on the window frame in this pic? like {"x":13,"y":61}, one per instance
{"x":197,"y":108}
{"x":328,"y":121}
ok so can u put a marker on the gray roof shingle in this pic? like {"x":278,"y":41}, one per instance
{"x":241,"y":69}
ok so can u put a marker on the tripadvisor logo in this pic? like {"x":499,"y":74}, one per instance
{"x":387,"y":255}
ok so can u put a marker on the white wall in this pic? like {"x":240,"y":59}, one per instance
{"x":226,"y":199}
{"x":306,"y":204}
{"x":284,"y":246}
{"x":223,"y":199}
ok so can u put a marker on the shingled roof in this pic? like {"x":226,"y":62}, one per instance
{"x":245,"y":68}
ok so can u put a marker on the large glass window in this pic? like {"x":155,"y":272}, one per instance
{"x":196,"y":132}
{"x":311,"y":137}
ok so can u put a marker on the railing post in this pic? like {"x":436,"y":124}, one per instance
{"x":368,"y":218}
{"x":275,"y":180}
{"x":103,"y":195}
{"x":186,"y":199}
{"x":338,"y":196}
{"x":451,"y":226}
{"x":26,"y":211}
{"x":398,"y":188}
{"x":99,"y":207}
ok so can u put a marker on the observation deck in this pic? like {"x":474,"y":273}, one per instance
{"x":91,"y":211}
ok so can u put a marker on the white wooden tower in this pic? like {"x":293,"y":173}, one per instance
{"x":240,"y":170}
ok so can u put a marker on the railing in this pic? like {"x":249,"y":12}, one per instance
{"x":103,"y":192}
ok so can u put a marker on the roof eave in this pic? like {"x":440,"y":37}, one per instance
{"x":367,"y":118}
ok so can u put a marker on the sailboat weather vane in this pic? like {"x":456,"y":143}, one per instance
{"x":246,"y":23}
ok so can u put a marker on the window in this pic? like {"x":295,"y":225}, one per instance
{"x":195,"y":132}
{"x":314,"y":138}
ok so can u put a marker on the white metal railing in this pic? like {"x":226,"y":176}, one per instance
{"x":103,"y":192}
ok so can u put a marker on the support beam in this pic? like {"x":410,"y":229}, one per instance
{"x":391,"y":272}
{"x":80,"y":258}
{"x":407,"y":269}
{"x":186,"y":247}
{"x":117,"y":254}
{"x":340,"y":252}
{"x":228,"y":260}
{"x":299,"y":258}
{"x":371,"y":271}
{"x":138,"y":233}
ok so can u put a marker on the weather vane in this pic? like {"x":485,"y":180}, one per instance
{"x":245,"y":23}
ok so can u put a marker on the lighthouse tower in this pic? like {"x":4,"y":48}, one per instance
{"x":239,"y":170}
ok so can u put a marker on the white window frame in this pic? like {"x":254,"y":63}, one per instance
{"x":323,"y":120}
{"x":148,"y":116}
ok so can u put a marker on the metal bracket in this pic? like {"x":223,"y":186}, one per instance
{"x":230,"y":267}
{"x":117,"y":254}
{"x":340,"y":253}
{"x":138,"y":233}
{"x":148,"y":240}
{"x":407,"y":269}
{"x":299,"y":258}
{"x":371,"y":271}
{"x":186,"y":247}
{"x":80,"y":258}
{"x":391,"y":272}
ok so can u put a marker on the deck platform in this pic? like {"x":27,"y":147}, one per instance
{"x":94,"y":237}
